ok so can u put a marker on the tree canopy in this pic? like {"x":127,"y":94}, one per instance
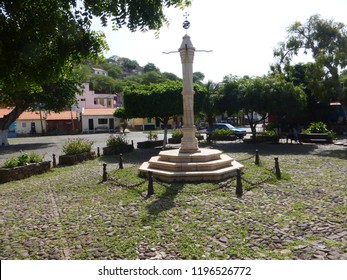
{"x":264,"y":95}
{"x":326,"y":41}
{"x":41,"y":41}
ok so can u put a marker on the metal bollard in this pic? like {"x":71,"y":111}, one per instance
{"x":257,"y":160}
{"x":150,"y":184}
{"x":277,"y":169}
{"x":104,"y":173}
{"x":239,"y":190}
{"x":98,"y":152}
{"x":120,"y":161}
{"x":54,"y":161}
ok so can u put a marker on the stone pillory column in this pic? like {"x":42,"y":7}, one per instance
{"x":189,"y":143}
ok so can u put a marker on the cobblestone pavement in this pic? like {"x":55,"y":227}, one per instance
{"x":49,"y":145}
{"x":302,"y":218}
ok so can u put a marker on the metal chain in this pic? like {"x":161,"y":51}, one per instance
{"x":245,"y":159}
{"x":257,"y":183}
{"x":110,"y":178}
{"x":221,"y":186}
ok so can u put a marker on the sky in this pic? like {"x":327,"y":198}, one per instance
{"x":241,"y":34}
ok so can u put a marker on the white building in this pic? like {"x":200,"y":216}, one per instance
{"x":99,"y":71}
{"x":99,"y":120}
{"x":90,"y":100}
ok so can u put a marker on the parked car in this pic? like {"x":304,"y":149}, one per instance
{"x":239,"y":132}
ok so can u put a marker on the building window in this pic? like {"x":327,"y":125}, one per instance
{"x":95,"y":102}
{"x":149,"y":120}
{"x":102,"y":121}
{"x":24,"y":125}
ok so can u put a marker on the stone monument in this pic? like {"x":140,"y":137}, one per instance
{"x":189,"y":163}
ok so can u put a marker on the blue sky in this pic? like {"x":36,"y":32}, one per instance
{"x":242,"y":35}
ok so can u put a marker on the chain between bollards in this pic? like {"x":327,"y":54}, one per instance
{"x":239,"y":190}
{"x":277,"y":169}
{"x":150,"y":184}
{"x":104,"y":173}
{"x":120,"y":161}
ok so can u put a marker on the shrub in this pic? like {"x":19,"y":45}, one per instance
{"x":75,"y":146}
{"x":23,"y":159}
{"x":152,"y":136}
{"x":35,"y":158}
{"x":177,"y":133}
{"x":116,"y":141}
{"x":268,"y":133}
{"x":11,"y":162}
{"x":221,"y":133}
{"x":319,"y":127}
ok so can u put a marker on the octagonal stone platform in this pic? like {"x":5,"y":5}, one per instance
{"x":203,"y":165}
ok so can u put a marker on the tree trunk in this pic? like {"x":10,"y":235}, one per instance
{"x":252,"y":125}
{"x":165,"y":122}
{"x":5,"y":123}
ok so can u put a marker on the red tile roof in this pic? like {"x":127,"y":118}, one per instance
{"x":65,"y":115}
{"x":27,"y":115}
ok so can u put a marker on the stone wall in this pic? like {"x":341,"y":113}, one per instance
{"x":22,"y":172}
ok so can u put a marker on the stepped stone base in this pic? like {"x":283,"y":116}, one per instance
{"x":203,"y":165}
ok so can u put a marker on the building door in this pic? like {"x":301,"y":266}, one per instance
{"x":90,"y":124}
{"x":111,"y":123}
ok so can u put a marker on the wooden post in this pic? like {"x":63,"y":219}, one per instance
{"x":98,"y":152}
{"x":239,"y":190}
{"x":277,"y":169}
{"x":104,"y":173}
{"x":257,"y":161}
{"x":54,"y":161}
{"x":150,"y":184}
{"x":120,"y":161}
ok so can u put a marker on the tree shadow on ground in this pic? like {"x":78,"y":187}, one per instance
{"x":337,"y":153}
{"x":266,"y":149}
{"x":138,"y":156}
{"x":162,"y":202}
{"x":28,"y":147}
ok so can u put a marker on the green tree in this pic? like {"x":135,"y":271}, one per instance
{"x":326,"y":41}
{"x":198,"y":77}
{"x":170,"y":76}
{"x":162,"y":101}
{"x":102,"y":84}
{"x":127,"y":64}
{"x":120,"y":113}
{"x":149,"y":67}
{"x":41,"y":41}
{"x":211,"y":102}
{"x":263,"y":95}
{"x":152,"y":77}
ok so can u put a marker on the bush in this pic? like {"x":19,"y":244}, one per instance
{"x":76,"y":146}
{"x":116,"y":141}
{"x":152,"y":136}
{"x":23,"y":159}
{"x":221,"y":133}
{"x":319,"y":127}
{"x":11,"y":162}
{"x":177,"y":133}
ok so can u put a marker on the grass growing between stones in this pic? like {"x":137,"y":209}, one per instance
{"x":68,"y":213}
